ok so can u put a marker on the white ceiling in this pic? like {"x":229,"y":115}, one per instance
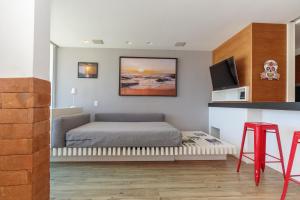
{"x":202,"y":24}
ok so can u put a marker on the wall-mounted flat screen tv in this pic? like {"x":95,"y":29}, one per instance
{"x":148,"y":76}
{"x":224,"y":75}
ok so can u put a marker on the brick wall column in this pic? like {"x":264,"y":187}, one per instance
{"x":24,"y":139}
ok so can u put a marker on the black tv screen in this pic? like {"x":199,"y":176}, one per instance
{"x":224,"y":75}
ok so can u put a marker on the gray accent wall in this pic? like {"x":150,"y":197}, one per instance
{"x":188,"y":111}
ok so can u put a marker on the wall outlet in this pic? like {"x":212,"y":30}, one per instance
{"x":96,"y":103}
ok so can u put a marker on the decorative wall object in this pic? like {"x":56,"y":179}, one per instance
{"x":87,"y":70}
{"x":271,"y":71}
{"x":147,"y":76}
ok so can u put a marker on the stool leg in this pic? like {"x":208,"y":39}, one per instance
{"x":280,"y":151}
{"x":289,"y":167}
{"x":263,"y":150}
{"x":257,"y":153}
{"x":242,"y":149}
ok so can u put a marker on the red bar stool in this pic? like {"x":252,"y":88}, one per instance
{"x":289,"y":177}
{"x":260,"y":134}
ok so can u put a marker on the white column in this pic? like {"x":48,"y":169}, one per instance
{"x":24,"y":38}
{"x":290,"y":73}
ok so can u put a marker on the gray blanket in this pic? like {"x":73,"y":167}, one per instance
{"x":124,"y":134}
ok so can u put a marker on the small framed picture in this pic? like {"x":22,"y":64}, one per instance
{"x":87,"y":70}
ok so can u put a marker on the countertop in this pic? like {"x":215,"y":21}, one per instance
{"x":263,"y":105}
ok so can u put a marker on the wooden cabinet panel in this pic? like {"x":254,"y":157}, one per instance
{"x":269,"y":42}
{"x":298,"y":70}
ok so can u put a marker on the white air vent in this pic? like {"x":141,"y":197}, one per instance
{"x":180,"y":44}
{"x":98,"y":41}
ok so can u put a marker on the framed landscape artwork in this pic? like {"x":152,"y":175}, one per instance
{"x":147,"y":76}
{"x":87,"y":70}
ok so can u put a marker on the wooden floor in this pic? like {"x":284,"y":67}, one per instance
{"x":188,"y":180}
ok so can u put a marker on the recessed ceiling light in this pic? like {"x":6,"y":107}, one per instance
{"x":98,"y":41}
{"x":149,"y":43}
{"x":180,"y":44}
{"x":129,"y":42}
{"x":86,"y":41}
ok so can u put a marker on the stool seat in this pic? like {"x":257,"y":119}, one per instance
{"x":261,"y":124}
{"x":260,"y":129}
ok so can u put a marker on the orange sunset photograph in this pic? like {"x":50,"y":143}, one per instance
{"x":148,"y":76}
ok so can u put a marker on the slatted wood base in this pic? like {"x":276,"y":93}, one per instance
{"x":196,"y":151}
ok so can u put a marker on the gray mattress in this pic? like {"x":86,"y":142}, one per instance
{"x":124,"y":134}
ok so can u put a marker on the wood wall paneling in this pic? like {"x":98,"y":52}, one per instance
{"x":251,"y":47}
{"x":269,"y":42}
{"x":239,"y":46}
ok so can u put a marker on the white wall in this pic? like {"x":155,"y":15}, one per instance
{"x":17,"y":29}
{"x":288,"y":122}
{"x":290,"y":65}
{"x":24,"y":35}
{"x":188,"y":111}
{"x":41,"y":59}
{"x":230,"y":121}
{"x":225,"y":123}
